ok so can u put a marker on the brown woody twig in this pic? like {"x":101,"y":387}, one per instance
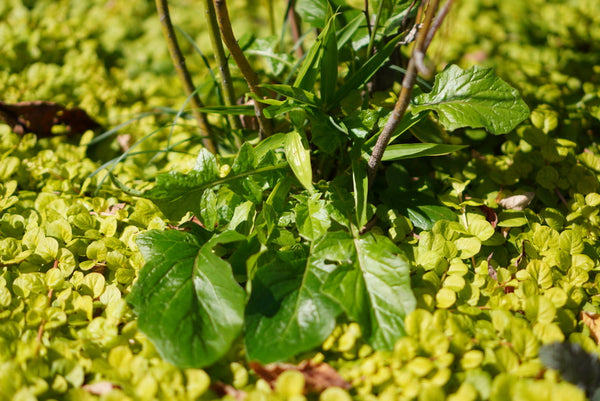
{"x":242,"y":63}
{"x":424,"y":37}
{"x":184,"y":74}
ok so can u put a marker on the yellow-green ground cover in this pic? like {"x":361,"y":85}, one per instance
{"x":487,"y":302}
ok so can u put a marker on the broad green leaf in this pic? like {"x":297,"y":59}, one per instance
{"x":411,"y":150}
{"x":369,"y":277}
{"x":474,"y":98}
{"x":176,"y":193}
{"x":424,"y":217}
{"x":186,"y":298}
{"x":312,"y":218}
{"x":287,"y":312}
{"x":313,"y":12}
{"x":299,"y":160}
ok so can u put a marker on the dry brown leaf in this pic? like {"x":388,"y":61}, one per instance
{"x":100,"y":388}
{"x":517,"y":202}
{"x":490,"y":215}
{"x":592,"y":320}
{"x":223,"y":389}
{"x":39,"y":117}
{"x":317,"y":376}
{"x":124,"y":141}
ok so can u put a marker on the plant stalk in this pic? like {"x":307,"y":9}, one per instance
{"x":405,"y":93}
{"x":184,"y":75}
{"x":295,"y":28}
{"x":242,"y":62}
{"x":226,"y":83}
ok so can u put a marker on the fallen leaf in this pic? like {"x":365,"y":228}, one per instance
{"x":100,"y":388}
{"x":490,"y":215}
{"x":223,"y":389}
{"x":317,"y":377}
{"x":39,"y":117}
{"x":517,"y":202}
{"x":111,"y":210}
{"x":124,"y":141}
{"x":592,"y":321}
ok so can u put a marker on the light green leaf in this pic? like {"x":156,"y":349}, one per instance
{"x":474,"y":98}
{"x":299,"y":160}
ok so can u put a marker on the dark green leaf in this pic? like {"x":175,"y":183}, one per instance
{"x":474,"y":98}
{"x":365,"y":72}
{"x":287,"y":313}
{"x":425,"y":216}
{"x":329,"y":62}
{"x":186,"y":298}
{"x":369,"y":277}
{"x":176,"y":193}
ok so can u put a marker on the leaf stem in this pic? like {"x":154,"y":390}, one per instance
{"x":184,"y":75}
{"x":407,"y":84}
{"x":242,"y":62}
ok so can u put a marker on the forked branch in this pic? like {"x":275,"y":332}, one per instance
{"x":424,"y":37}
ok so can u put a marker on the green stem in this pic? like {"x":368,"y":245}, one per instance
{"x":184,"y":75}
{"x":373,"y":31}
{"x":226,"y":83}
{"x":242,"y":63}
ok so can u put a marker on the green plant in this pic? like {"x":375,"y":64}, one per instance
{"x":272,"y":259}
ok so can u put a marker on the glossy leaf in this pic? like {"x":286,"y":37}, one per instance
{"x":299,"y":160}
{"x":312,"y":218}
{"x":411,"y":150}
{"x":287,"y":312}
{"x":186,"y":298}
{"x":474,"y":98}
{"x":369,"y":277}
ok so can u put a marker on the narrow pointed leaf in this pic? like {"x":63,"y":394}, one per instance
{"x":369,"y":277}
{"x":411,"y":150}
{"x":474,"y":98}
{"x":298,"y":94}
{"x":329,"y":62}
{"x":365,"y":72}
{"x":186,"y":298}
{"x":299,"y":160}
